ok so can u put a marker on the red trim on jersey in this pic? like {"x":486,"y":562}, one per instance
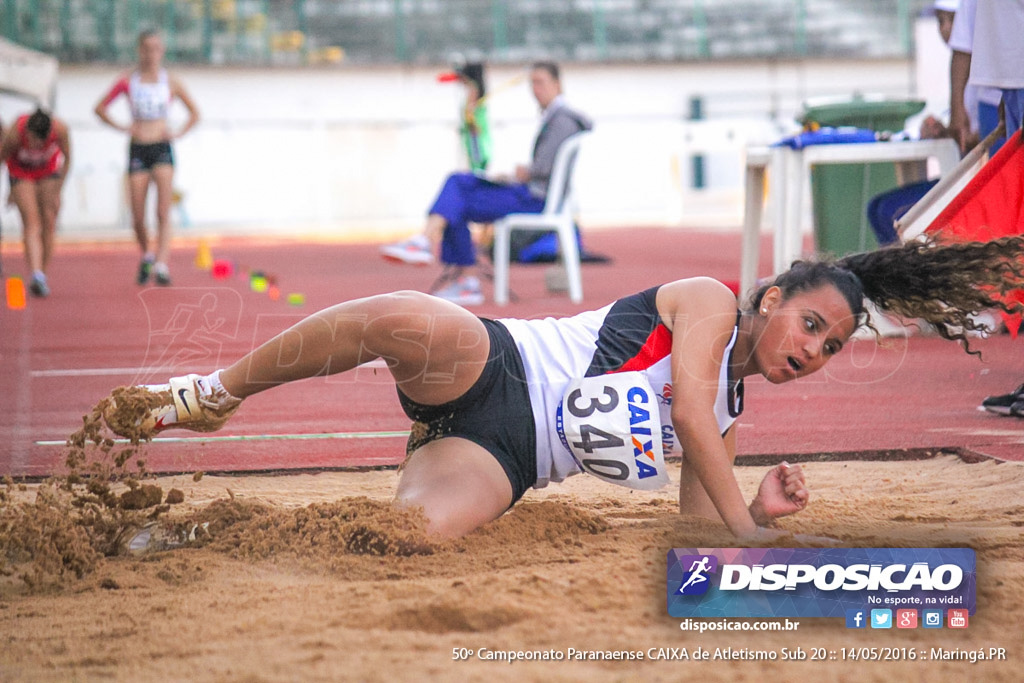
{"x":16,"y":166}
{"x":657,"y":346}
{"x":120,"y":88}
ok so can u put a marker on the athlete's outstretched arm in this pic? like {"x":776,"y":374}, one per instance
{"x":693,"y":498}
{"x":702,"y":313}
{"x":783,"y":491}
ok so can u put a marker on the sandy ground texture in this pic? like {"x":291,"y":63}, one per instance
{"x":312,"y":578}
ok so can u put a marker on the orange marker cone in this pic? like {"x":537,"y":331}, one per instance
{"x":204,"y":257}
{"x":15,"y":293}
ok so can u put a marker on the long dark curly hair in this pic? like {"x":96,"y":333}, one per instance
{"x":943,"y":284}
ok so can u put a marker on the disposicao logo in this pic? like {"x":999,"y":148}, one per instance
{"x":697,"y":579}
{"x":826,"y":582}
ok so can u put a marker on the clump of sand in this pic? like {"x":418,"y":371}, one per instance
{"x":106,"y":496}
{"x":319,"y":531}
{"x":86,"y":513}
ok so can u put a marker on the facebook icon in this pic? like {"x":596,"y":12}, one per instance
{"x":856,"y":618}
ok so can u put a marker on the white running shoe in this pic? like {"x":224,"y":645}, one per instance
{"x":154,"y":538}
{"x":151,"y":538}
{"x":415,"y":250}
{"x":187,"y":402}
{"x":464,"y":291}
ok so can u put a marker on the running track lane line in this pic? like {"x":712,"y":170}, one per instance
{"x":257,"y":437}
{"x":97,"y":372}
{"x":22,"y":431}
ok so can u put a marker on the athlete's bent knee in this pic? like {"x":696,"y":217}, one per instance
{"x":441,"y":520}
{"x":407,"y":299}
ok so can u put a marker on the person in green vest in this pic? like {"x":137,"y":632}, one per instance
{"x":475,"y":128}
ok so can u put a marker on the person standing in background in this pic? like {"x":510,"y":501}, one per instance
{"x":885,"y":209}
{"x":150,"y":91}
{"x":37,"y":150}
{"x":988,"y":51}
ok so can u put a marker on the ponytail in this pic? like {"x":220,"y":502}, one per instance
{"x":945,"y":285}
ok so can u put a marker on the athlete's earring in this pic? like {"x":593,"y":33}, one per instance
{"x":764,"y":309}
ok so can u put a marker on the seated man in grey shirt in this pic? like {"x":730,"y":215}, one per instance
{"x":466,"y":197}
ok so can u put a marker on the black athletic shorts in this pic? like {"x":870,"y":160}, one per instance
{"x":495,"y":413}
{"x":53,"y":176}
{"x":143,"y":157}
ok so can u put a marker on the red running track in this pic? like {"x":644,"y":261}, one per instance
{"x":99,"y":330}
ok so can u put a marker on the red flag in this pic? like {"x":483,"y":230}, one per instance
{"x":989,"y":207}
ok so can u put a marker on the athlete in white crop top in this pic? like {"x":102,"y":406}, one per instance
{"x":485,"y":391}
{"x":149,"y":101}
{"x":150,"y":89}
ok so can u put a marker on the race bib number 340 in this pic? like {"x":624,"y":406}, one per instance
{"x":611,"y":426}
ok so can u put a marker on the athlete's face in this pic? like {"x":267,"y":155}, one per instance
{"x":472,"y":92}
{"x":151,"y":51}
{"x":800,"y":334}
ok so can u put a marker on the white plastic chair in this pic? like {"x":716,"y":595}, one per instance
{"x":557,"y":215}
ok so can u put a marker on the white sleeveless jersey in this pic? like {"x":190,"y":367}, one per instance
{"x":149,"y":101}
{"x":624,"y":336}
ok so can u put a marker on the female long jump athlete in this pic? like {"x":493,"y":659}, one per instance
{"x":150,"y":91}
{"x":37,"y":149}
{"x":488,"y":391}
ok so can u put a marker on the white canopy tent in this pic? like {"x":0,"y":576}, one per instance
{"x":28,"y":73}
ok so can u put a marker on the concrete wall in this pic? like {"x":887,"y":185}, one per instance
{"x":359,"y":153}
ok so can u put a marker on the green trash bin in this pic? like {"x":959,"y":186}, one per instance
{"x":840,"y":192}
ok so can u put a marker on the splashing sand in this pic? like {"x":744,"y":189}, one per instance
{"x":87,"y":513}
{"x":325,"y":579}
{"x":311,"y":577}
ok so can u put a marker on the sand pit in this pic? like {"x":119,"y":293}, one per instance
{"x":310,"y":577}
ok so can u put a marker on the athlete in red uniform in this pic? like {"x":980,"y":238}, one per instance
{"x":37,"y":150}
{"x":150,"y":91}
